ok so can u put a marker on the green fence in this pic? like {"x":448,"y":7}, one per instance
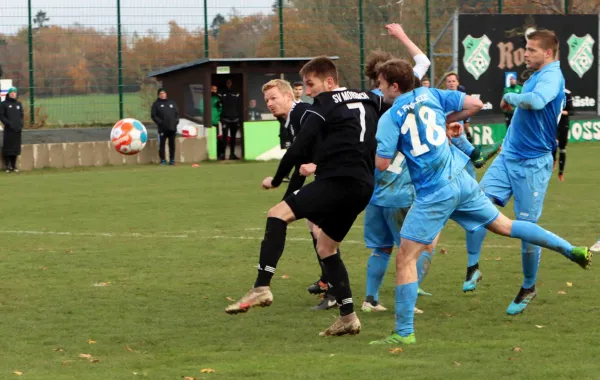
{"x":85,"y":63}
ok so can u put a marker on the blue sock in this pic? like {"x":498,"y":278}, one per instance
{"x":534,"y":234}
{"x":406,"y":299}
{"x":474,"y":243}
{"x":423,"y":264}
{"x":531,"y":261}
{"x":376,"y":267}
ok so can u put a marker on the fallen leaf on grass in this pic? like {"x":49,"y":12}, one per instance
{"x":189,"y":378}
{"x":68,"y":251}
{"x":396,"y":350}
{"x":488,"y":258}
{"x":128,"y":348}
{"x":517,"y":349}
{"x":331,"y":355}
{"x":67,"y":362}
{"x":43,"y":268}
{"x":18,"y":373}
{"x":457,"y":364}
{"x":102,"y":283}
{"x":230,"y":299}
{"x":443,"y":251}
{"x":285,"y":276}
{"x":91,"y":341}
{"x":207,"y":370}
{"x":498,"y":258}
{"x":561,"y":292}
{"x":85,"y":356}
{"x":569,"y":284}
{"x":513,"y":359}
{"x":58,"y":349}
{"x":94,"y":360}
{"x":540,"y":326}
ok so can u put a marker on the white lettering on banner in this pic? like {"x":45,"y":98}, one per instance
{"x":583,"y":102}
{"x":482,"y":135}
{"x":585,"y":131}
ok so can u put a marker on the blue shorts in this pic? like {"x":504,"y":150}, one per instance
{"x":461,"y":200}
{"x":526,"y":179}
{"x":382,"y":226}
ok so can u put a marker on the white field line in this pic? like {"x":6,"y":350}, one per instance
{"x":197,"y":237}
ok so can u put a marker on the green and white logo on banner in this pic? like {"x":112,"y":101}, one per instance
{"x":477,"y":55}
{"x":581,"y":53}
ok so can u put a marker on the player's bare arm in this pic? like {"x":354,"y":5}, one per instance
{"x":471,"y":106}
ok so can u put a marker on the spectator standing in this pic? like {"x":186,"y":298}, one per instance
{"x":230,"y":118}
{"x":512,"y":88}
{"x":165,"y":115}
{"x":254,"y":113}
{"x":11,"y":115}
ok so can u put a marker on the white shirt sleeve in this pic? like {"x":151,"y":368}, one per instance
{"x":422,"y":64}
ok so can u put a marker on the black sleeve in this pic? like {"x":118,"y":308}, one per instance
{"x":296,"y":154}
{"x":176,"y":113}
{"x":3,"y":117}
{"x":296,"y":182}
{"x":154,"y":115}
{"x":569,"y":106}
{"x":22,"y":113}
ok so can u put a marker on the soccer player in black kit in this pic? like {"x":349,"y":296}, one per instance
{"x":343,"y":123}
{"x":289,"y":112}
{"x":562,"y":135}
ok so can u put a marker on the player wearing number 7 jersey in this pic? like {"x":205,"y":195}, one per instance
{"x":415,"y":125}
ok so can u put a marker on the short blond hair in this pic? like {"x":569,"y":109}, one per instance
{"x":282,"y":85}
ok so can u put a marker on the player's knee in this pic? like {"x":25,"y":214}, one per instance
{"x":281,"y":211}
{"x":501,"y":226}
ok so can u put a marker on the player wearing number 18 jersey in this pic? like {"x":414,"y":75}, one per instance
{"x":444,"y":189}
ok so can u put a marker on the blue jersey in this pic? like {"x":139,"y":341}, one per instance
{"x":418,"y":130}
{"x":532,"y":131}
{"x":393,"y":187}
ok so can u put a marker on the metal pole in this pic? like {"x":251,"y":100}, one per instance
{"x":455,"y":42}
{"x":500,"y":4}
{"x":31,"y":69}
{"x":361,"y":32}
{"x":205,"y":30}
{"x":120,"y":59}
{"x":566,"y":7}
{"x":281,"y":45}
{"x":428,"y":41}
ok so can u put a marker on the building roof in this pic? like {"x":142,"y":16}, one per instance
{"x":202,"y":61}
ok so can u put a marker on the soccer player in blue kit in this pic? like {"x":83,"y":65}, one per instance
{"x":416,"y":126}
{"x":524,"y":167}
{"x":393,"y":193}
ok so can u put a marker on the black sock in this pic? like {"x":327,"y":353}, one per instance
{"x":270,"y":250}
{"x":323,"y":278}
{"x":471,"y":270}
{"x":475,"y":154}
{"x":338,"y":276}
{"x":562,"y":161}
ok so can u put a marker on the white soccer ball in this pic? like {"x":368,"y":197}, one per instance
{"x":129,"y":136}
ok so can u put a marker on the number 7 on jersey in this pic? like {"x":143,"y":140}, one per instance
{"x":363,"y":125}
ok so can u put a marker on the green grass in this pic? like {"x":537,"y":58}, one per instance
{"x":199,"y":236}
{"x":96,"y":109}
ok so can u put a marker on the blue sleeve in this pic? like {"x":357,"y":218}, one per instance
{"x":546,"y":89}
{"x":450,"y":100}
{"x":388,"y":135}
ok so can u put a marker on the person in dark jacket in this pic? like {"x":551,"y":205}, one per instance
{"x":166,"y":116}
{"x":230,"y":117}
{"x":562,"y":135}
{"x":11,"y":115}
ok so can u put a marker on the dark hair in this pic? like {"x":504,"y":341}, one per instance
{"x":322,"y":67}
{"x":376,"y":58}
{"x":425,"y":79}
{"x":452,"y":73}
{"x":546,"y":38}
{"x":398,"y":71}
{"x":298,"y":84}
{"x":160,"y":90}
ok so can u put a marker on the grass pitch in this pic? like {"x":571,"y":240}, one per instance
{"x":124,"y":273}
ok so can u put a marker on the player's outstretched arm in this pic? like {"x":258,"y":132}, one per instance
{"x":422,"y":63}
{"x":546,"y":89}
{"x":296,"y":154}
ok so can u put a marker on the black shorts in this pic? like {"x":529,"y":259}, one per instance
{"x":333,"y":204}
{"x":562,"y":135}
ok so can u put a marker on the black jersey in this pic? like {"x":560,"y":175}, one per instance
{"x":564,"y":119}
{"x":292,"y":123}
{"x":342,"y":124}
